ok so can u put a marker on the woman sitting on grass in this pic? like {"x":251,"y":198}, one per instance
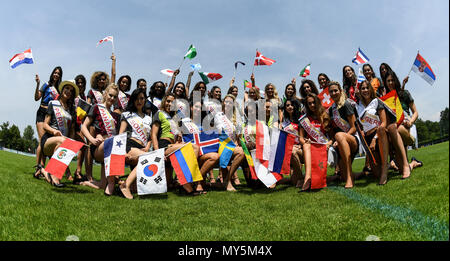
{"x":343,"y":132}
{"x":314,"y":128}
{"x":105,"y":123}
{"x":59,"y":124}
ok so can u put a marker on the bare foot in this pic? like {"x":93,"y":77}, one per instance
{"x":125,"y":191}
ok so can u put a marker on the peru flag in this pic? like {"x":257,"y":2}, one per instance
{"x":281,"y":146}
{"x":62,"y":157}
{"x":262,"y":60}
{"x":114,"y":153}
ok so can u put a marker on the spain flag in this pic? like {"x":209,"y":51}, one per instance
{"x":393,"y":102}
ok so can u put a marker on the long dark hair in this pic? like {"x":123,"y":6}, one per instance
{"x":182,"y":96}
{"x":295,"y":113}
{"x":295,"y":90}
{"x":397,"y":84}
{"x":50,"y":81}
{"x":321,"y":114}
{"x":326,"y":77}
{"x":211,"y":93}
{"x":311,"y":84}
{"x":197,"y":86}
{"x":83,"y":79}
{"x":129,"y":81}
{"x":346,"y":83}
{"x":388,"y":69}
{"x":152,"y":93}
{"x":133,"y":97}
{"x":373,"y":72}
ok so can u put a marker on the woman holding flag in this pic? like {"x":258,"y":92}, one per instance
{"x":314,"y":126}
{"x":46,"y":93}
{"x":124,"y":84}
{"x":59,"y":124}
{"x":105,"y":122}
{"x":342,"y":116}
{"x":407,"y":102}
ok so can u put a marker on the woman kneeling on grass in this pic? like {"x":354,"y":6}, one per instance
{"x":342,"y":116}
{"x":59,"y":124}
{"x":314,"y":128}
{"x":374,"y":120}
{"x":105,"y":123}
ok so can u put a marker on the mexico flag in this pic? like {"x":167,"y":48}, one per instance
{"x":306,"y":71}
{"x":262,"y":60}
{"x":209,"y":77}
{"x":62,"y":157}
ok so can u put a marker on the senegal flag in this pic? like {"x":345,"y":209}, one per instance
{"x":393,"y":103}
{"x":248,"y":156}
{"x":191,"y":53}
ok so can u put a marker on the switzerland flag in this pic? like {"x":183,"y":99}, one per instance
{"x":262,"y":60}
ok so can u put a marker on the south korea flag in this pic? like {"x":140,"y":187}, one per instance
{"x":151,"y":173}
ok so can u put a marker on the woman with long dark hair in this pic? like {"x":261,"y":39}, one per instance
{"x":350,"y":82}
{"x":47,"y":93}
{"x":124,"y":83}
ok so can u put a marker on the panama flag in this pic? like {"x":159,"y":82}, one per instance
{"x":360,"y":57}
{"x":114,"y":154}
{"x":18,"y":59}
{"x":306,"y":71}
{"x":263,"y":173}
{"x":151,"y":173}
{"x":208,"y":77}
{"x":106,"y":39}
{"x":325,"y":98}
{"x":281,"y":146}
{"x":167,"y":72}
{"x":262,"y":60}
{"x":262,"y":141}
{"x":62,"y":157}
{"x":422,"y":68}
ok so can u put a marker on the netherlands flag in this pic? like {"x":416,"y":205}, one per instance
{"x":18,"y":59}
{"x":360,"y":57}
{"x":280,"y":151}
{"x":114,"y":153}
{"x":422,"y":68}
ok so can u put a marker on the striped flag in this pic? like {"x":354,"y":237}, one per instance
{"x":281,"y":146}
{"x":114,"y":155}
{"x":423,"y":69}
{"x":306,"y":71}
{"x":361,"y":76}
{"x":62,"y":157}
{"x":208,"y":77}
{"x":106,"y":39}
{"x":20,"y":58}
{"x":185,"y":165}
{"x":262,"y":141}
{"x":264,"y":174}
{"x":151,"y":173}
{"x":82,"y":110}
{"x":360,"y":57}
{"x":249,"y":159}
{"x":393,"y":103}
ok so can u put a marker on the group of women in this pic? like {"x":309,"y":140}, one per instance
{"x":157,"y":118}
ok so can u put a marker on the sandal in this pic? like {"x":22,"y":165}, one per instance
{"x":38,"y":169}
{"x":418,"y":161}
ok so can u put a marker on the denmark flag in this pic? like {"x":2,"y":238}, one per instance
{"x":262,"y":60}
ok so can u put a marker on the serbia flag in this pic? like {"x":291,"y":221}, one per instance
{"x":18,"y":59}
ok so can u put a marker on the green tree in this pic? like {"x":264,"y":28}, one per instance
{"x":444,"y":122}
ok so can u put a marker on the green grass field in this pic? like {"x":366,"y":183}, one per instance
{"x":416,"y":209}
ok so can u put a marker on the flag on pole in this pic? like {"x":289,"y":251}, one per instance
{"x":319,"y":156}
{"x":20,"y":58}
{"x":281,"y":145}
{"x":208,"y":77}
{"x":62,"y":157}
{"x":114,"y":155}
{"x":262,"y":171}
{"x":226,"y":150}
{"x":249,"y":159}
{"x":185,"y":164}
{"x":106,"y":39}
{"x":393,"y":103}
{"x":191,"y":53}
{"x":306,"y":71}
{"x":167,"y":72}
{"x":196,"y":67}
{"x":236,"y":64}
{"x":262,"y":141}
{"x":325,"y":98}
{"x":262,"y":60}
{"x":361,"y":76}
{"x":360,"y":57}
{"x":151,"y":173}
{"x":423,"y":69}
{"x":82,"y":110}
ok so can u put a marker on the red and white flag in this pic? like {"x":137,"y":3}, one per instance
{"x":325,"y":98}
{"x":106,"y":39}
{"x":263,"y":173}
{"x":62,"y":157}
{"x":167,"y":72}
{"x":262,"y":141}
{"x":114,"y":155}
{"x":262,"y":60}
{"x":319,"y":158}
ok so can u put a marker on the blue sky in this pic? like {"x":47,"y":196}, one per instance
{"x":150,"y":36}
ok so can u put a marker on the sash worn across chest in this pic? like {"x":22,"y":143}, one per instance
{"x":340,"y":123}
{"x":137,"y":124}
{"x":53,"y":92}
{"x":108,"y":120}
{"x":98,"y":96}
{"x":368,"y":117}
{"x":123,"y":100}
{"x":223,"y":123}
{"x":62,"y":117}
{"x":313,"y":131}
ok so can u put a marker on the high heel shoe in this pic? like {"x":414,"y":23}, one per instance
{"x":306,"y":187}
{"x":38,"y":168}
{"x":58,"y":185}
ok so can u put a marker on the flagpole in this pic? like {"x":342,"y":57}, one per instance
{"x":403,"y":85}
{"x":181,"y":63}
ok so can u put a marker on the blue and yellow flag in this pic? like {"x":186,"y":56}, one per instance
{"x":226,"y":149}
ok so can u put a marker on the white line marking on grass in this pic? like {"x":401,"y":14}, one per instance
{"x":430,"y":227}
